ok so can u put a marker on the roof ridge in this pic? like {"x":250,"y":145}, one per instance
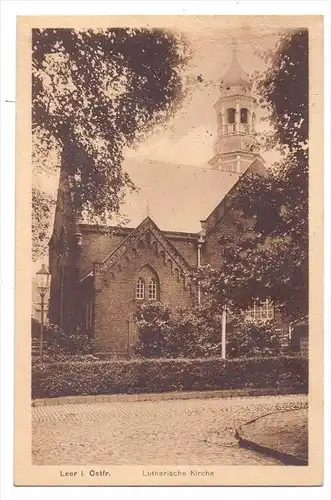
{"x":148,"y":220}
{"x":168,"y":163}
{"x":229,"y":194}
{"x":123,"y":241}
{"x":114,"y":250}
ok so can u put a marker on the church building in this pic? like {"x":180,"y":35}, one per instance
{"x":100,"y":276}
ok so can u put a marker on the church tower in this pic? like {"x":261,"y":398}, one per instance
{"x":235,"y":147}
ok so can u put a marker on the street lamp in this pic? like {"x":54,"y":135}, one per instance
{"x":42,"y":287}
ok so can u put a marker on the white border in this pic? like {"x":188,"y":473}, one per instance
{"x":9,"y":10}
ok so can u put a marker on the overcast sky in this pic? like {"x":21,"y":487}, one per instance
{"x":188,"y":138}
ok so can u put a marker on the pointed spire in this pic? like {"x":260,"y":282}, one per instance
{"x":235,"y":75}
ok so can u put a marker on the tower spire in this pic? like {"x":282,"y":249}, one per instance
{"x":234,"y":46}
{"x":235,"y":75}
{"x":147,"y":207}
{"x":235,"y":147}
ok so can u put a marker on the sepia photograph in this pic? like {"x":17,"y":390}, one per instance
{"x":171,"y":321}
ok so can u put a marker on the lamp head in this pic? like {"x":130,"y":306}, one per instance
{"x":43,"y":279}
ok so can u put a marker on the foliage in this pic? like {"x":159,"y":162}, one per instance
{"x":284,"y":90}
{"x":57,"y":355}
{"x":42,"y":205}
{"x":251,"y":339}
{"x":35,"y":327}
{"x":95,"y":92}
{"x":154,"y":323}
{"x":60,"y":343}
{"x":164,"y":375}
{"x":266,"y":253}
{"x":175,"y":333}
{"x":196,"y":333}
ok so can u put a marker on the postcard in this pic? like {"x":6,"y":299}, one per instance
{"x":169,"y":250}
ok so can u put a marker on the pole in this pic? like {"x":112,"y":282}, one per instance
{"x":199,"y":263}
{"x":41,"y":346}
{"x":224,"y":333}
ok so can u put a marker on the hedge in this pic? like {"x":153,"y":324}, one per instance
{"x":167,"y":375}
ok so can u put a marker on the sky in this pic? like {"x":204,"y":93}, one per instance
{"x":188,"y":138}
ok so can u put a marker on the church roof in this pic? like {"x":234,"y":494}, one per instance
{"x":235,"y":75}
{"x":147,"y":225}
{"x":175,"y":196}
{"x":257,"y":167}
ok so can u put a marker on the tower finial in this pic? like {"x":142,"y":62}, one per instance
{"x":147,"y":207}
{"x":234,"y":46}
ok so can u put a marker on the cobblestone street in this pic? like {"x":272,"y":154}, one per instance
{"x":173,"y":432}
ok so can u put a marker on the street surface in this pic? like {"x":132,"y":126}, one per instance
{"x":174,"y":432}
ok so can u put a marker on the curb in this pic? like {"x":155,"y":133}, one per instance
{"x":286,"y":458}
{"x":112,"y":398}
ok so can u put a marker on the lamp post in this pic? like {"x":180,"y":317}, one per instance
{"x":42,"y":287}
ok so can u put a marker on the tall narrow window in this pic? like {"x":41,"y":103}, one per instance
{"x":152,"y":289}
{"x":231,"y":112}
{"x":140,"y":289}
{"x":244,"y":115}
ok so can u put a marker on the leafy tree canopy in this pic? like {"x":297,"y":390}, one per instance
{"x":94,"y":92}
{"x":269,"y":259}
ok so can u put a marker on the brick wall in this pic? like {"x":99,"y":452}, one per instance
{"x":187,"y":246}
{"x":231,"y":224}
{"x":97,"y":246}
{"x":63,"y":259}
{"x":116,"y":303}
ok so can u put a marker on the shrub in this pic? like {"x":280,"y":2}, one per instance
{"x":163,"y":332}
{"x":61,"y":344}
{"x":253,"y":338}
{"x":164,"y":375}
{"x":154,"y":325}
{"x":35,"y":328}
{"x":196,"y":333}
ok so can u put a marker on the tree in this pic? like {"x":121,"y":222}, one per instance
{"x":94,"y":92}
{"x":42,"y":204}
{"x":266,"y":256}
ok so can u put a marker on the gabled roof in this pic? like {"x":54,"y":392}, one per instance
{"x":147,"y":225}
{"x":257,"y":167}
{"x":175,"y":196}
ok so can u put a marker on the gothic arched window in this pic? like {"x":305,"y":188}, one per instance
{"x":147,"y":286}
{"x":244,"y":115}
{"x":152,"y":289}
{"x":140,"y":289}
{"x":231,"y":114}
